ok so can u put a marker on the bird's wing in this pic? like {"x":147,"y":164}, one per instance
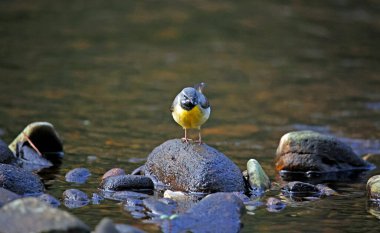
{"x":203,"y":101}
{"x":200,"y":86}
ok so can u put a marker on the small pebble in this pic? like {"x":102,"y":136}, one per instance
{"x":49,"y":199}
{"x":78,"y":175}
{"x":275,"y":205}
{"x":74,"y":198}
{"x":113,"y":172}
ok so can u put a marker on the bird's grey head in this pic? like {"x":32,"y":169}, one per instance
{"x":188,"y":98}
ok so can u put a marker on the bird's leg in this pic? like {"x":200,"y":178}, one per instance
{"x":185,"y":139}
{"x":199,"y":138}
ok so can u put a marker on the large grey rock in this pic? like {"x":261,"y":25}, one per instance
{"x":304,"y":151}
{"x":19,"y":180}
{"x":32,"y":215}
{"x":6,"y":155}
{"x":217,"y":212}
{"x":193,"y":167}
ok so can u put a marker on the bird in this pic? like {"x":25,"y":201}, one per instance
{"x":191,"y":109}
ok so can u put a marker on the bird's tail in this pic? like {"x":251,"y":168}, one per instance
{"x":200,"y":86}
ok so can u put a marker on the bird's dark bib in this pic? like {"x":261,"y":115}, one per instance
{"x":187,"y":105}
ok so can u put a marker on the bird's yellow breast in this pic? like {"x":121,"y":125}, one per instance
{"x":190,"y":119}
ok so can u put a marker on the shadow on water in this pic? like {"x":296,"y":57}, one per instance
{"x":352,"y":176}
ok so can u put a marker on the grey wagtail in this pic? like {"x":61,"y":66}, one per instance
{"x":191,"y":109}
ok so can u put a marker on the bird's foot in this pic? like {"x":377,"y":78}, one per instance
{"x":200,"y":142}
{"x":186,"y":140}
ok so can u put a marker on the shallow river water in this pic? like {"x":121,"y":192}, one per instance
{"x":105,"y":73}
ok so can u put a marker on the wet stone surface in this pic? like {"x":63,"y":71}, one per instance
{"x":257,"y":178}
{"x":220,"y":212}
{"x":6,"y":155}
{"x":123,"y":195}
{"x":127,"y":182}
{"x":304,"y":151}
{"x":19,"y":180}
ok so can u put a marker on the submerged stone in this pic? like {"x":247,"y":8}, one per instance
{"x":304,"y":151}
{"x":20,"y":181}
{"x":32,"y":215}
{"x":299,"y":191}
{"x":373,"y":188}
{"x":159,"y":206}
{"x":127,"y":182}
{"x":257,"y":177}
{"x":192,"y":167}
{"x":78,"y":175}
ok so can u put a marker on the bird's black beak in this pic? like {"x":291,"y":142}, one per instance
{"x":189,"y":103}
{"x":193,"y":101}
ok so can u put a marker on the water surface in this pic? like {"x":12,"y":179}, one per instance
{"x":105,"y":73}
